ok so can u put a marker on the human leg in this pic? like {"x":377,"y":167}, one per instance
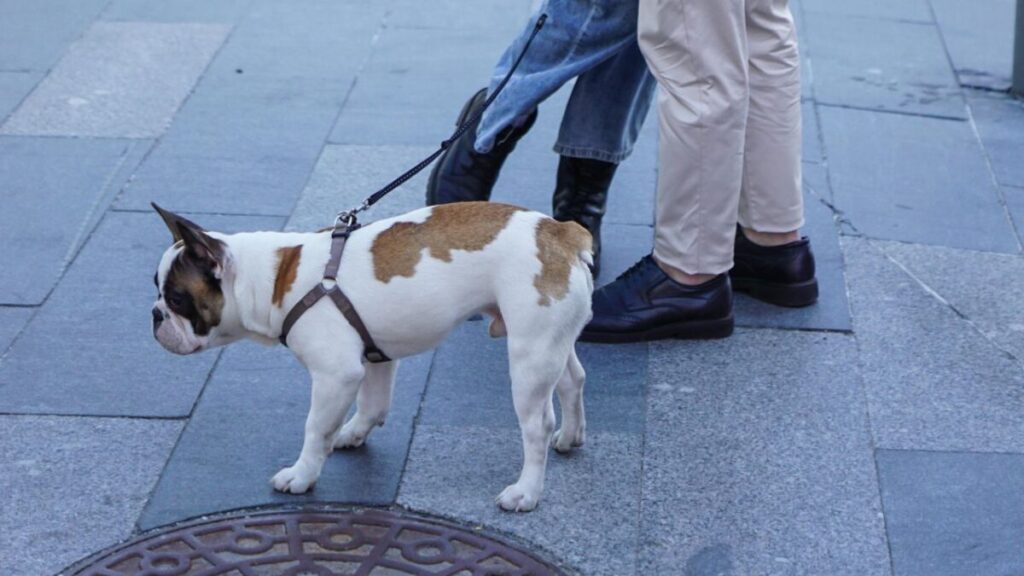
{"x":602,"y":121}
{"x":772,"y":262}
{"x":697,"y":51}
{"x":580,"y":36}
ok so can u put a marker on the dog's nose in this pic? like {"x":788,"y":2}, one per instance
{"x":158,"y":317}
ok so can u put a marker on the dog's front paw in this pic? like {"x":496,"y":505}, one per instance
{"x":293,"y":479}
{"x":564,"y":442}
{"x":517,"y":499}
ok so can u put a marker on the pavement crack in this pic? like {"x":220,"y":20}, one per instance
{"x":949,"y":305}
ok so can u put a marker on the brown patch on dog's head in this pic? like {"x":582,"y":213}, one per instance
{"x":287,"y":270}
{"x":468,"y":226}
{"x":559,"y":245}
{"x":193,"y":292}
{"x":192,"y":286}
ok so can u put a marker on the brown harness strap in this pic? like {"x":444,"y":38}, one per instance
{"x":338,"y":238}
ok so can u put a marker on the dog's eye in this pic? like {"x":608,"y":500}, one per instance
{"x":175,"y":300}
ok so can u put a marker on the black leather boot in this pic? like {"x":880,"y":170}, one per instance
{"x":781,"y":275}
{"x":581,"y":192}
{"x":462,"y":174}
{"x":645,"y":304}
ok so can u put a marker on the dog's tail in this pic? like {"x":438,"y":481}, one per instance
{"x":581,"y":241}
{"x":571,"y":240}
{"x":585,"y":251}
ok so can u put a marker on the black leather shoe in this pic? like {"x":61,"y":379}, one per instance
{"x":581,"y":192}
{"x":462,"y":174}
{"x":645,"y":304}
{"x":781,"y":275}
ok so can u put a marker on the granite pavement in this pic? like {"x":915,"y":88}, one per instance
{"x":878,"y":432}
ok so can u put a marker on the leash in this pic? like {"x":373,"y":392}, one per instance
{"x":348,"y":217}
{"x":346,"y":223}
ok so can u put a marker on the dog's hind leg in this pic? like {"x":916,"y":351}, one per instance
{"x":372,"y":405}
{"x":535,"y":368}
{"x":573,"y":432}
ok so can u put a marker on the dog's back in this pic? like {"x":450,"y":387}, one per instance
{"x":431,"y":268}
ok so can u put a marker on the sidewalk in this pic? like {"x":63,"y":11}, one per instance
{"x":880,"y":432}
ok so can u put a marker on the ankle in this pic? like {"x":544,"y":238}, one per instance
{"x":682,"y":277}
{"x":770,"y":239}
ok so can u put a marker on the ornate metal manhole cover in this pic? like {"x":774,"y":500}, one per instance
{"x":328,"y":543}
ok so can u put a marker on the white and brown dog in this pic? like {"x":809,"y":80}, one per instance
{"x":412,"y":279}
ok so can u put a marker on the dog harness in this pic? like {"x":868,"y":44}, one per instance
{"x":329,"y":287}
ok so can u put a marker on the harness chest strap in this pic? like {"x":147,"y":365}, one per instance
{"x":338,"y":238}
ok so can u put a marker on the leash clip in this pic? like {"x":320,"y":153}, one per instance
{"x":347,"y":218}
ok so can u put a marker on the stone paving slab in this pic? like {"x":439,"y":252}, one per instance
{"x":121,"y":79}
{"x":881,"y":65}
{"x":226,"y":11}
{"x":587,"y":517}
{"x":622,"y":245}
{"x":951,"y":513}
{"x":72,"y":486}
{"x":1000,"y":123}
{"x":811,"y":146}
{"x":12,"y":320}
{"x":470,"y":386}
{"x":904,"y":10}
{"x":346,"y":175}
{"x":241,"y":146}
{"x":932,"y":381}
{"x":54,"y":191}
{"x":249,"y":424}
{"x":914,"y":179}
{"x":415,"y":84}
{"x":796,"y":8}
{"x":14,"y":86}
{"x":90,"y":349}
{"x":505,"y":18}
{"x":325,"y":40}
{"x":758,"y":459}
{"x":979,"y":37}
{"x":1014,"y":197}
{"x":33,"y":35}
{"x":816,"y":186}
{"x":832,"y":311}
{"x":975,"y":284}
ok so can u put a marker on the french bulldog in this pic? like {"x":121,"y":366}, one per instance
{"x":412,"y":279}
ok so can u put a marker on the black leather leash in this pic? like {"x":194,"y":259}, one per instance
{"x":347,"y":222}
{"x":350,"y":215}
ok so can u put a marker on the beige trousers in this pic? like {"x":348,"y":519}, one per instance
{"x":729,"y":116}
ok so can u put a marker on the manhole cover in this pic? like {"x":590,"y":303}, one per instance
{"x":367,"y":542}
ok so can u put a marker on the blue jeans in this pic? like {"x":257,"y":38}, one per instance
{"x":594,"y":40}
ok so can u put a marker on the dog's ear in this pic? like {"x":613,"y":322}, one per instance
{"x":198,"y":244}
{"x":173,"y":222}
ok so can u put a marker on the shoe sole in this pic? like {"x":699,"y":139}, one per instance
{"x":796,"y":295}
{"x":431,"y":186}
{"x":689,"y":330}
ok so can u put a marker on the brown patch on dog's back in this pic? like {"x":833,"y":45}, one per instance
{"x":558,"y":247}
{"x":468,"y":226}
{"x":287,"y":270}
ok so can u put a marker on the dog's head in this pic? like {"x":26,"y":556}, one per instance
{"x":189,"y":314}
